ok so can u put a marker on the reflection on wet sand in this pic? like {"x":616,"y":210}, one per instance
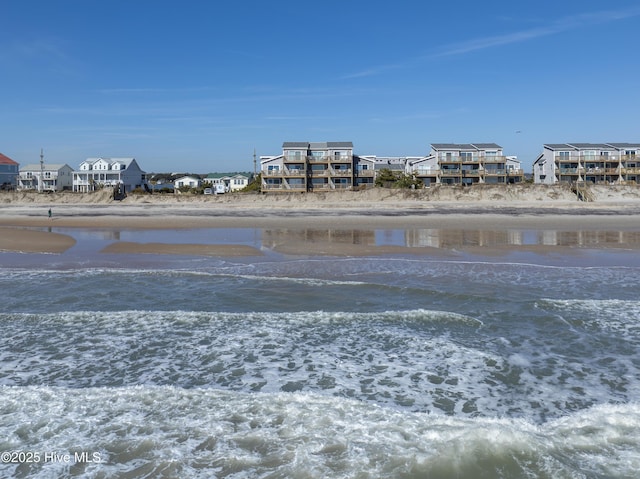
{"x":312,"y":239}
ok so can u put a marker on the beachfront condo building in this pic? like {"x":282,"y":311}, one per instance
{"x":327,"y":166}
{"x":608,"y":163}
{"x":8,"y":172}
{"x":45,"y":177}
{"x":466,"y":164}
{"x":305,"y":166}
{"x":96,"y":173}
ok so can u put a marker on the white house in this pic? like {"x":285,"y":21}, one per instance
{"x":229,"y":182}
{"x":45,"y":177}
{"x":237,"y":182}
{"x":187,"y":181}
{"x":95,"y":173}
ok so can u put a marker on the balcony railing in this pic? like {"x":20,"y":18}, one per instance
{"x":426,"y":172}
{"x":603,"y":171}
{"x":318,"y":159}
{"x":296,"y":186}
{"x":295,"y":172}
{"x":271,"y":186}
{"x":493,"y":159}
{"x":341,"y":158}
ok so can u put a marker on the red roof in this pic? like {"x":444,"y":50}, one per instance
{"x":5,"y":160}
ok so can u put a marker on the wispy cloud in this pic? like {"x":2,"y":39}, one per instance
{"x":40,"y":48}
{"x":561,"y":25}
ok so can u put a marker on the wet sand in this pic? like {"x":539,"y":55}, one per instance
{"x":27,"y":228}
{"x":33,"y":241}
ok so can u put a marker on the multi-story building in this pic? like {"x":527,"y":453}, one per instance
{"x":97,"y":173}
{"x":333,"y":166}
{"x":8,"y":172}
{"x":466,"y":164}
{"x":305,"y":166}
{"x":611,"y":163}
{"x":46,"y":177}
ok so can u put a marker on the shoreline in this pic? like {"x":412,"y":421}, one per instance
{"x":26,"y":227}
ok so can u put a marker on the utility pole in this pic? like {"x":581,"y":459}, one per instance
{"x":254,"y":163}
{"x":41,"y":184}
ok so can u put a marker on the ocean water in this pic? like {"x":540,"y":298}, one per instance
{"x":515,"y":365}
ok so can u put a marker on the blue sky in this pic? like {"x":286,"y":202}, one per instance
{"x":198,"y":85}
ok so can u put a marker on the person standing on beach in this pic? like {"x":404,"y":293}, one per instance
{"x":49,"y":212}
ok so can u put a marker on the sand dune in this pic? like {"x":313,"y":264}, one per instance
{"x":540,"y":195}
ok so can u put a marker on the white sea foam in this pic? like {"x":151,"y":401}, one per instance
{"x":419,"y":360}
{"x":151,"y":431}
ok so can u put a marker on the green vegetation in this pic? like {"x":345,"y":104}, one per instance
{"x":255,"y":186}
{"x":397,"y":179}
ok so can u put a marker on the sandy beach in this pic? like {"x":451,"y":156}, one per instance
{"x":26,"y":227}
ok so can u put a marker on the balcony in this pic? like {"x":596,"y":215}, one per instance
{"x":366,"y":173}
{"x":321,"y":187}
{"x":458,"y":159}
{"x":296,"y":187}
{"x":318,"y":159}
{"x":271,"y":173}
{"x":341,"y":159}
{"x":602,"y":171}
{"x":271,"y":186}
{"x":426,"y":172}
{"x":341,"y":172}
{"x":493,"y":159}
{"x":297,"y":172}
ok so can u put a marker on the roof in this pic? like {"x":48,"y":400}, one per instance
{"x":622,"y":146}
{"x":590,"y":146}
{"x":192,"y":177}
{"x":45,"y":167}
{"x":125,"y":161}
{"x":5,"y":160}
{"x":319,"y":145}
{"x":595,"y":146}
{"x":465,"y":146}
{"x":558,"y":146}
